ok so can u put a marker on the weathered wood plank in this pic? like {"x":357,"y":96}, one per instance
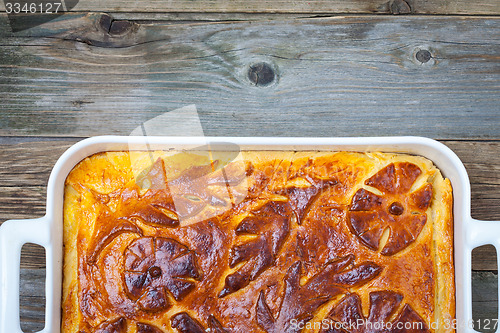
{"x":484,"y":300}
{"x":30,"y":163}
{"x":329,"y":74}
{"x":25,"y":168}
{"x":32,"y":299}
{"x":32,"y":256}
{"x":485,"y":7}
{"x":484,"y":258}
{"x":24,"y":202}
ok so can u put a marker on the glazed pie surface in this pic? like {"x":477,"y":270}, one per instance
{"x":266,"y":242}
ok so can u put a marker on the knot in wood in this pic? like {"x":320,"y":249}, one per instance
{"x":261,"y":74}
{"x":120,"y":27}
{"x":114,"y":27}
{"x":423,"y":56}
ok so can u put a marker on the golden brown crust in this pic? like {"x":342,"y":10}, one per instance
{"x":270,"y":242}
{"x":443,"y":239}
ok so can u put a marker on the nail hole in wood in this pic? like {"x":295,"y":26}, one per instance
{"x":261,"y":74}
{"x":423,"y":56}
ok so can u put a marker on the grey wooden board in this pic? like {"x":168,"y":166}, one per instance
{"x":340,"y":76}
{"x":484,"y":300}
{"x":33,"y":299}
{"x":303,"y":6}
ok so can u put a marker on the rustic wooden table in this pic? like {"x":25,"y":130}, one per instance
{"x":252,"y":68}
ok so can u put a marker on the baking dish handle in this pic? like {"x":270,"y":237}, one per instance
{"x":480,"y":233}
{"x":13,"y":235}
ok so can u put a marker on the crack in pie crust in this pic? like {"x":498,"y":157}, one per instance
{"x":270,"y":242}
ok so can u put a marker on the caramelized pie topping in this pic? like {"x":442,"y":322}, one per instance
{"x":301,"y":301}
{"x":397,"y":208}
{"x":270,"y":245}
{"x":383,"y":307}
{"x":146,"y":328}
{"x":157,"y":267}
{"x":115,"y":326}
{"x":271,"y":226}
{"x":184,"y":323}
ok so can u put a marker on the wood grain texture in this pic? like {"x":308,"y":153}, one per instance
{"x":484,"y":300}
{"x":485,"y":7}
{"x":87,"y":74}
{"x":484,"y":258}
{"x":24,"y":202}
{"x":32,"y":299}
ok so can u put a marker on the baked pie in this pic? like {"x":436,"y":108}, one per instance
{"x":269,"y":241}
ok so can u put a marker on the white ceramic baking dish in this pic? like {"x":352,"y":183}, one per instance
{"x":47,"y":231}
